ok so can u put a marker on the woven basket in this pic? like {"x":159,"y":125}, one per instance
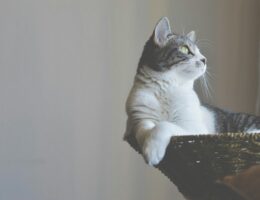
{"x":213,"y":167}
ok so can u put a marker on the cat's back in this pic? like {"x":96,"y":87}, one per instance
{"x":228,"y":121}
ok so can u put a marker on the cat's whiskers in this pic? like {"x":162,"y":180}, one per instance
{"x":205,"y":85}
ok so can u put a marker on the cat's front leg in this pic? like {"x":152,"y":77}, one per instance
{"x":156,"y":139}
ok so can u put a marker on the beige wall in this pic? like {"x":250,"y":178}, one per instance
{"x":65,"y":71}
{"x":237,"y":51}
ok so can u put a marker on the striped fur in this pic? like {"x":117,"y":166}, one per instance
{"x":162,"y":102}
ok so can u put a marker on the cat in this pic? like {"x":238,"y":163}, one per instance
{"x":162,"y":102}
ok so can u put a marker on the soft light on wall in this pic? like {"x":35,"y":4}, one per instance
{"x":66,"y":69}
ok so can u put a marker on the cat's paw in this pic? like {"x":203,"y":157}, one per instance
{"x":154,"y":148}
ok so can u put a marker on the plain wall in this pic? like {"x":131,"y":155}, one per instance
{"x":66,"y":67}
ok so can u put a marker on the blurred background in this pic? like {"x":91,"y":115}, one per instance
{"x":66,"y":67}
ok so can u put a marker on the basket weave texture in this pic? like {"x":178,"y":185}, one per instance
{"x":198,"y":165}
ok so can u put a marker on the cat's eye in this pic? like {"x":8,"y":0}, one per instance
{"x":184,"y":49}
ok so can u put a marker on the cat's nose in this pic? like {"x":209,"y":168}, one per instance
{"x":204,"y":60}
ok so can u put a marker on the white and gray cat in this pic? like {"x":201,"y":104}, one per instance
{"x":162,"y":102}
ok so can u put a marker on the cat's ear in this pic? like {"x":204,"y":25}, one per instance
{"x":162,"y":31}
{"x":192,"y":36}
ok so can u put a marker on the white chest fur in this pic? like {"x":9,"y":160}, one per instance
{"x":182,"y":107}
{"x":162,"y":107}
{"x":165,"y":97}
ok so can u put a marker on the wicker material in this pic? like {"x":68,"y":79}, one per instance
{"x":202,"y":166}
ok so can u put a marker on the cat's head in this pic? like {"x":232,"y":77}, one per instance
{"x":166,"y":52}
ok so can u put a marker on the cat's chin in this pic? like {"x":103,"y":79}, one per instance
{"x":192,"y":74}
{"x":191,"y":68}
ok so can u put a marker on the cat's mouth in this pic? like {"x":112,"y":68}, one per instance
{"x":194,"y":70}
{"x":200,"y":63}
